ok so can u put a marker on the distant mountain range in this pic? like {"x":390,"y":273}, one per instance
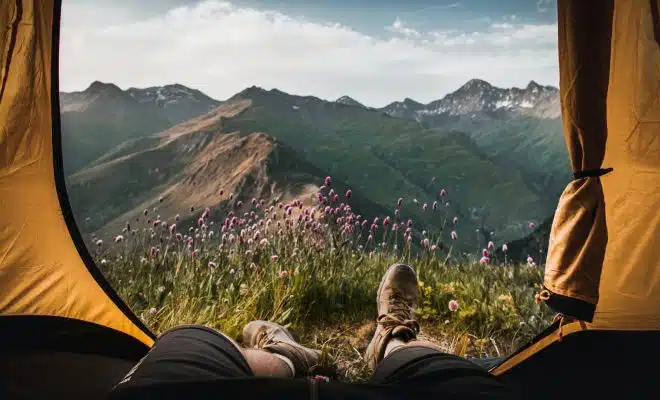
{"x":479,"y":99}
{"x":125,"y":150}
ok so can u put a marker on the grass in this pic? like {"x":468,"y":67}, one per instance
{"x":315,"y":269}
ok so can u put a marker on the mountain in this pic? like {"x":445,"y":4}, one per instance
{"x":103,"y":116}
{"x":386,"y":158}
{"x":408,"y":108}
{"x":349,"y":101}
{"x":479,"y":99}
{"x":268,"y":143}
{"x":521,"y":127}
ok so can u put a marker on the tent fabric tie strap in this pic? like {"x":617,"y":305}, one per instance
{"x":592,"y":173}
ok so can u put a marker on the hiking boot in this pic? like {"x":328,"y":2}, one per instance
{"x":277,"y":339}
{"x":396,"y":301}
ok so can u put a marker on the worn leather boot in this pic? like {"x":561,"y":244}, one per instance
{"x":277,"y":339}
{"x":396,"y":301}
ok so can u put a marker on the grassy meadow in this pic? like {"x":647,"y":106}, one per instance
{"x":314,"y":265}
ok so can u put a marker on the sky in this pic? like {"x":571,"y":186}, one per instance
{"x":376,"y":51}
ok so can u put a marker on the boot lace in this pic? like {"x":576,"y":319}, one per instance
{"x":399,"y":314}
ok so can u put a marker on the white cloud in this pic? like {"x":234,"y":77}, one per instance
{"x":221,"y":48}
{"x":545,"y":5}
{"x":400,"y":27}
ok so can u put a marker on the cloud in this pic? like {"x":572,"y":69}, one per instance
{"x":398,"y":26}
{"x":221,"y":48}
{"x":545,"y":5}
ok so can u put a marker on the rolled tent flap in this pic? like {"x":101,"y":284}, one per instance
{"x":578,"y":238}
{"x":45,"y":269}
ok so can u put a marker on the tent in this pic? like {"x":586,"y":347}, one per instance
{"x":65,"y":331}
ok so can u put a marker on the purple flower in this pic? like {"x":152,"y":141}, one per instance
{"x":328,"y":181}
{"x":484,"y":260}
{"x":348,"y":193}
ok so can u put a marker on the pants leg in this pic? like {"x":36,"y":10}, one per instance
{"x":422,"y":370}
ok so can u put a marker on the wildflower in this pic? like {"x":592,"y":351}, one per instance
{"x":172,"y":229}
{"x":398,"y":202}
{"x":410,"y":222}
{"x":484,"y":252}
{"x":455,"y":220}
{"x":484,"y":260}
{"x":505,"y":248}
{"x":274,"y":257}
{"x":532,"y":225}
{"x":284,"y":274}
{"x":426,"y":243}
{"x":530,"y":260}
{"x":434,"y":247}
{"x":118,"y":238}
{"x":443,"y":193}
{"x":435,"y":205}
{"x":212,"y":264}
{"x":386,"y":221}
{"x":153,"y":311}
{"x":425,"y":207}
{"x":491,"y":245}
{"x":453,"y":305}
{"x":397,"y":212}
{"x":370,"y":238}
{"x":328,"y":181}
{"x":348,"y":193}
{"x":454,"y":235}
{"x":423,"y":233}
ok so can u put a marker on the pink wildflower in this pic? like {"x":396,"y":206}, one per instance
{"x":328,"y":181}
{"x":532,"y":225}
{"x":453,"y":305}
{"x":491,"y":245}
{"x":484,"y":260}
{"x":454,"y":235}
{"x":426,"y":243}
{"x":274,"y":257}
{"x":443,"y":193}
{"x":348,"y":193}
{"x":505,"y":248}
{"x":425,"y":207}
{"x":484,"y":252}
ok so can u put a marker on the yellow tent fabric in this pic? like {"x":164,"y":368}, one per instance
{"x":605,"y":240}
{"x":605,"y":244}
{"x":41,"y":270}
{"x":579,"y":233}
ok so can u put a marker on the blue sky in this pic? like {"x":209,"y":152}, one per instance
{"x":374,"y":51}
